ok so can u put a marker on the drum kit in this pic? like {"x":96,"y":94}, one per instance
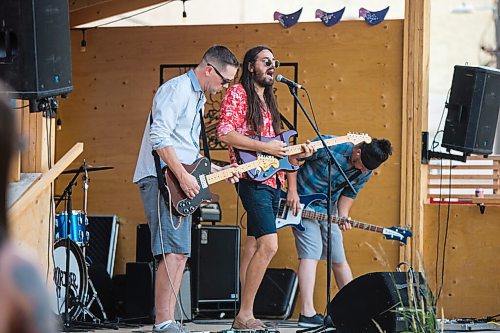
{"x":70,"y":266}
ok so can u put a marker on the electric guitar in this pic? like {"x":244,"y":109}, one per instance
{"x":200,"y":169}
{"x":245,"y":156}
{"x":285,"y":218}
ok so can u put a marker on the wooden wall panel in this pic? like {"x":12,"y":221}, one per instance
{"x":472,"y":269}
{"x":354,"y":75}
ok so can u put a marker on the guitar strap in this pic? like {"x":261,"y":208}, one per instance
{"x":206,"y":151}
{"x":351,"y":178}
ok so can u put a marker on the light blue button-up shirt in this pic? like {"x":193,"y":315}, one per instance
{"x":176,"y":122}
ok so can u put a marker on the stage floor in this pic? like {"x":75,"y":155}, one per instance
{"x":287,"y":326}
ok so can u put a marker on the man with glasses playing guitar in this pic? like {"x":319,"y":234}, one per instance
{"x":173,"y":133}
{"x":358,"y":162}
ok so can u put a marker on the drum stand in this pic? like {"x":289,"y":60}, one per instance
{"x":68,"y":191}
{"x":69,"y":323}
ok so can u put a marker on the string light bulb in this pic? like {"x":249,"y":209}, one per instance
{"x":83,"y":43}
{"x":184,"y":14}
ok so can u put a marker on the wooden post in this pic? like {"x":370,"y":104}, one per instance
{"x":414,"y":121}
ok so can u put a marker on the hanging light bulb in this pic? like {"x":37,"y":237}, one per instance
{"x":83,"y":44}
{"x":184,"y":14}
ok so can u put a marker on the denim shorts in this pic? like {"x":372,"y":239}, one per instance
{"x":261,"y":203}
{"x":312,"y":243}
{"x":176,"y":232}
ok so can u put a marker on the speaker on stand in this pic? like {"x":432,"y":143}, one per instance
{"x":473,"y":110}
{"x":35,"y":52}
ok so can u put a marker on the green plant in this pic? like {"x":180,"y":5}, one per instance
{"x":416,"y":309}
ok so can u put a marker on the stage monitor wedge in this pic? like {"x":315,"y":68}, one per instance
{"x":35,"y":52}
{"x":472,"y":110}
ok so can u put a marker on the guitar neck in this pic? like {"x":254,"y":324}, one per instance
{"x":228,"y":173}
{"x":312,"y":215}
{"x":296,"y":149}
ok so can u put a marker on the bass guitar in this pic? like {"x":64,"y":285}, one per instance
{"x":245,"y":156}
{"x":200,"y":169}
{"x":285,"y":218}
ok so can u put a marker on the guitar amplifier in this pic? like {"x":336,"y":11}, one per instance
{"x":214,"y":263}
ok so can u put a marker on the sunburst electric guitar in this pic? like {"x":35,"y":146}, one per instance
{"x":245,"y":156}
{"x":285,"y":218}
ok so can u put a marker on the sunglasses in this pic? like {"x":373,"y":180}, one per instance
{"x":224,"y":80}
{"x":268,"y":62}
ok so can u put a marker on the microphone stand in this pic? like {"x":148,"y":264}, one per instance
{"x":327,"y":320}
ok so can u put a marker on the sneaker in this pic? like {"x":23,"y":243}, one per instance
{"x":316,"y":320}
{"x":174,"y":327}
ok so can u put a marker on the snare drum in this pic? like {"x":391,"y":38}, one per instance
{"x":78,"y":227}
{"x":78,"y":279}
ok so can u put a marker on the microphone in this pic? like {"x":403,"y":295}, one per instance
{"x":290,"y":83}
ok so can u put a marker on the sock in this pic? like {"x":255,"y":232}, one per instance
{"x":163,"y":324}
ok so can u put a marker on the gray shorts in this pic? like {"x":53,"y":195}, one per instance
{"x":311,"y":243}
{"x":176,"y":235}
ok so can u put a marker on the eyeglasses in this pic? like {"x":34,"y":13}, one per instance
{"x":268,"y":62}
{"x":224,"y":80}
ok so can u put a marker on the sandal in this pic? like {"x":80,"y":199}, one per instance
{"x":252,"y":323}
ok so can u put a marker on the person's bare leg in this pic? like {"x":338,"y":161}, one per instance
{"x":164,"y":295}
{"x":267,"y":246}
{"x":248,"y":252}
{"x":342,"y":273}
{"x":307,"y":280}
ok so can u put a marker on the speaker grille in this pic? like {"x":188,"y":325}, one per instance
{"x":103,"y":235}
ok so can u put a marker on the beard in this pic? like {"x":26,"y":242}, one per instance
{"x":263,"y":80}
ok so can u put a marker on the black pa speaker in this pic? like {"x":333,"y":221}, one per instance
{"x":214,"y":263}
{"x":373,"y":300}
{"x":472,"y":110}
{"x":35,"y":55}
{"x":139,"y":295}
{"x":277,"y":294}
{"x":143,"y":244}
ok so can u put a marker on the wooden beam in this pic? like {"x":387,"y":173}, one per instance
{"x":45,"y":180}
{"x":81,"y":14}
{"x":414,"y":121}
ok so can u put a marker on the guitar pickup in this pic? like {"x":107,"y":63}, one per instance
{"x":203,"y":181}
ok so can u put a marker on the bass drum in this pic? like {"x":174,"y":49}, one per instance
{"x":78,"y":279}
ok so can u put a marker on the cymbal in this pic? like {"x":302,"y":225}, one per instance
{"x":89,"y":168}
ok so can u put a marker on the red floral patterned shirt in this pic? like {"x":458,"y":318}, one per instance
{"x":233,"y":118}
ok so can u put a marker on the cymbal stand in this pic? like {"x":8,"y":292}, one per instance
{"x":85,"y":187}
{"x":68,"y":191}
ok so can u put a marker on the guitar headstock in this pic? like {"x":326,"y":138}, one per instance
{"x":356,"y":138}
{"x":266,"y":161}
{"x":399,"y":234}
